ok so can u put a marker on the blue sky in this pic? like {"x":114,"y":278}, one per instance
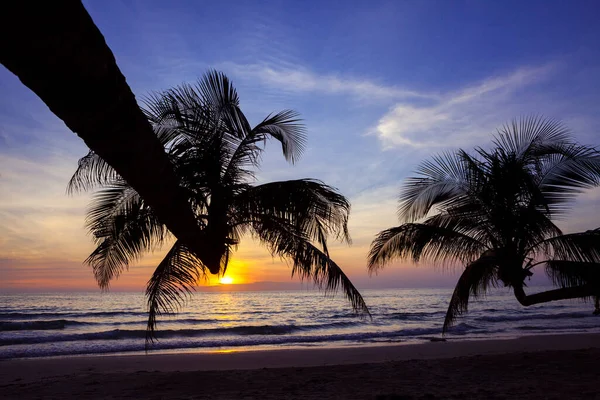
{"x":380,"y":85}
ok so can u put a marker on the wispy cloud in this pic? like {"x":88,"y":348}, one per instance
{"x":462,"y":116}
{"x":416,"y":118}
{"x":302,"y":80}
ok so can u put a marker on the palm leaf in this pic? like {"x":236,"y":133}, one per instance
{"x":567,"y":170}
{"x":532,"y":226}
{"x":283,"y":127}
{"x":170,"y":285}
{"x":286,"y":128}
{"x":477,"y":278}
{"x":544,"y":147}
{"x":92,"y":171}
{"x":526,"y":136}
{"x":577,"y":247}
{"x":123,"y":228}
{"x":436,"y":243}
{"x":571,"y":273}
{"x":287,"y":216}
{"x":286,"y":241}
{"x":219,"y":94}
{"x":310,"y":206}
{"x":183,"y":110}
{"x":311,"y":263}
{"x":441,"y":180}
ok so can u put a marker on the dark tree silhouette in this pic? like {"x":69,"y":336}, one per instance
{"x":57,"y":51}
{"x":214,"y":151}
{"x":492,"y":211}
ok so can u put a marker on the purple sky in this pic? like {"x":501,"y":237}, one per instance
{"x":381,"y":86}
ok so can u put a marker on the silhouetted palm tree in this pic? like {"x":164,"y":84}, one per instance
{"x":214,"y":151}
{"x":492,"y":211}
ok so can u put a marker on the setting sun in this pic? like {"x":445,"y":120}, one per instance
{"x":226,"y":280}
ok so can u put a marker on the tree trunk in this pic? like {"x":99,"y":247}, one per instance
{"x":574,"y":292}
{"x":57,"y":51}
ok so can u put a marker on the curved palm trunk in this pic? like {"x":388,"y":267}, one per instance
{"x":574,"y":292}
{"x":57,"y":51}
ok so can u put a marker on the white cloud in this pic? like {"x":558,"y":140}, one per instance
{"x":417,"y":119}
{"x":294,"y":79}
{"x":462,"y":116}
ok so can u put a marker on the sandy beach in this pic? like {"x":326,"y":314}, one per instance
{"x":534,"y":367}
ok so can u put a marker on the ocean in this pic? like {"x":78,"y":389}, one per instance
{"x":60,"y":324}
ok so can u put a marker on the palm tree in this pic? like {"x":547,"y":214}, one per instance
{"x":492,"y":211}
{"x":214,"y":151}
{"x":57,"y":51}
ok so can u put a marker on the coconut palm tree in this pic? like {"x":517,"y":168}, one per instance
{"x":57,"y":51}
{"x":214,"y":151}
{"x":493,"y":212}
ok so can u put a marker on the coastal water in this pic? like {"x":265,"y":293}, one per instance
{"x":37,"y":325}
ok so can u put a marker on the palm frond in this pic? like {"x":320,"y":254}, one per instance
{"x":283,"y":239}
{"x":310,"y":206}
{"x":283,"y":127}
{"x":216,"y":89}
{"x":465,"y":220}
{"x":571,"y":273}
{"x":545,"y":151}
{"x":440,"y":180}
{"x":477,"y":278}
{"x":168,"y":137}
{"x":566,"y":170}
{"x":532,"y":226}
{"x":287,"y":216}
{"x":123,"y":228}
{"x":578,"y":247}
{"x":436,"y":243}
{"x":311,"y":263}
{"x":92,"y":171}
{"x":286,"y":128}
{"x":524,"y":137}
{"x":220,"y":95}
{"x":170,"y":285}
{"x":182,"y":109}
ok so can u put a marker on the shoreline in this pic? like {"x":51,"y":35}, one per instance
{"x":249,"y":358}
{"x":297,"y":346}
{"x":533,"y":367}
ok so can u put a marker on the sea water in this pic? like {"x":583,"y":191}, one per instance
{"x":53,"y":324}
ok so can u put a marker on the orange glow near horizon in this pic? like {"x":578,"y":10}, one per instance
{"x":251,"y":265}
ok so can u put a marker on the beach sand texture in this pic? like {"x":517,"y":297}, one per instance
{"x":535,"y":367}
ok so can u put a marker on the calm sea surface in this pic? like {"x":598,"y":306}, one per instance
{"x":37,"y":325}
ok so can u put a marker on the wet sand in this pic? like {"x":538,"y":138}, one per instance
{"x":541,"y":367}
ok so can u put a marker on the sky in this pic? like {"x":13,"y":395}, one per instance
{"x":381,"y":86}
